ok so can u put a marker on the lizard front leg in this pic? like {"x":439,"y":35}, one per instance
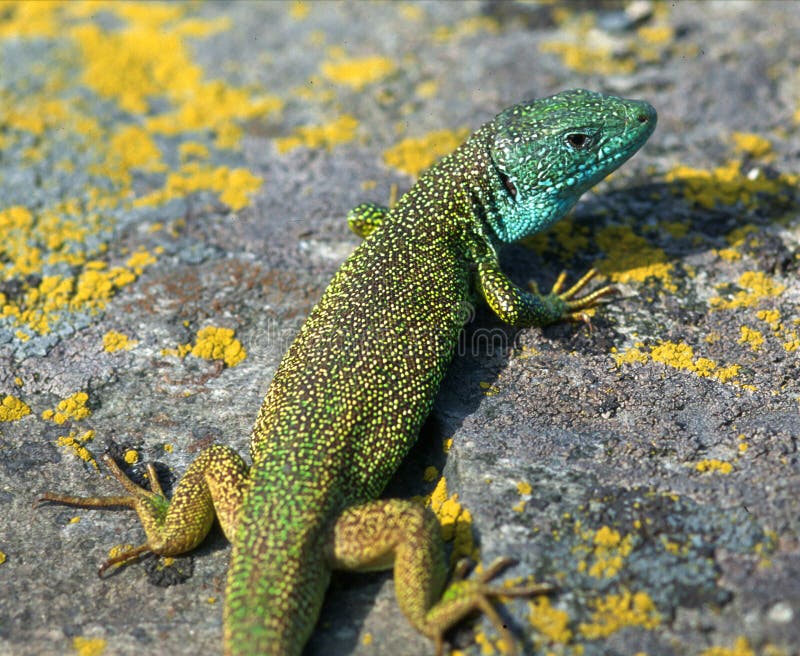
{"x":364,"y":218}
{"x":522,"y":308}
{"x":213,"y":484}
{"x":404,"y":535}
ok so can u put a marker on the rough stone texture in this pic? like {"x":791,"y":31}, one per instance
{"x":610,"y":450}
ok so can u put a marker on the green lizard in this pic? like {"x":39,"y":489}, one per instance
{"x":350,"y":395}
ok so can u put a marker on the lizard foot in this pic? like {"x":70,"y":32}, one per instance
{"x":136,"y":496}
{"x":213,"y":484}
{"x":574,"y":304}
{"x":464,"y":596}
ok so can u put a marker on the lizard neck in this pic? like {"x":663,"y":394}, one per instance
{"x":453,"y":201}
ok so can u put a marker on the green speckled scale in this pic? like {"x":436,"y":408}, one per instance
{"x":350,"y":395}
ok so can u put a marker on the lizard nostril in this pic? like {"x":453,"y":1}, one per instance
{"x":642,"y":118}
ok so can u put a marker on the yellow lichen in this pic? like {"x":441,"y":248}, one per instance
{"x":741,"y":647}
{"x":727,"y":184}
{"x":656,"y":34}
{"x":678,"y":356}
{"x":94,"y":288}
{"x":78,"y":445}
{"x":630,"y":356}
{"x":551,"y":623}
{"x":73,"y":407}
{"x":466,"y":27}
{"x":114,"y":341}
{"x":327,"y":135}
{"x":180,"y":351}
{"x":427,"y":89}
{"x":189,"y":150}
{"x":617,"y":611}
{"x":455,"y":520}
{"x":752,"y":337}
{"x":714,"y":465}
{"x":565,"y":238}
{"x":299,"y":10}
{"x":756,"y":287}
{"x":139,"y":260}
{"x":630,"y":258}
{"x":357,"y":72}
{"x":752,"y":144}
{"x":216,"y":107}
{"x":523,"y":487}
{"x":728,"y":254}
{"x":12,"y":409}
{"x":410,"y":12}
{"x":414,"y":155}
{"x":772,"y":317}
{"x":234,"y":186}
{"x":585,"y":51}
{"x":141,"y":60}
{"x":213,"y":343}
{"x":607,"y":550}
{"x":88,"y":646}
{"x":131,"y":148}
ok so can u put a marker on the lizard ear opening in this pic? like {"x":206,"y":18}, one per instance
{"x":510,"y":188}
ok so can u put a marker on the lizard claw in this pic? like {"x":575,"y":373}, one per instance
{"x":575,"y":304}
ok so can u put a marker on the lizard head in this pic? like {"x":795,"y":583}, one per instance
{"x":546,"y":153}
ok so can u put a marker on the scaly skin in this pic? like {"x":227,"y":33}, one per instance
{"x":349,"y":397}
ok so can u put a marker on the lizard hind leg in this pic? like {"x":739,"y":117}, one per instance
{"x":214,"y":482}
{"x":406,"y":536}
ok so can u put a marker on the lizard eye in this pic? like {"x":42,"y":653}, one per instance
{"x":579,"y":140}
{"x":510,"y":188}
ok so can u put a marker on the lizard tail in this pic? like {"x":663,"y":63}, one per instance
{"x":278,"y":572}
